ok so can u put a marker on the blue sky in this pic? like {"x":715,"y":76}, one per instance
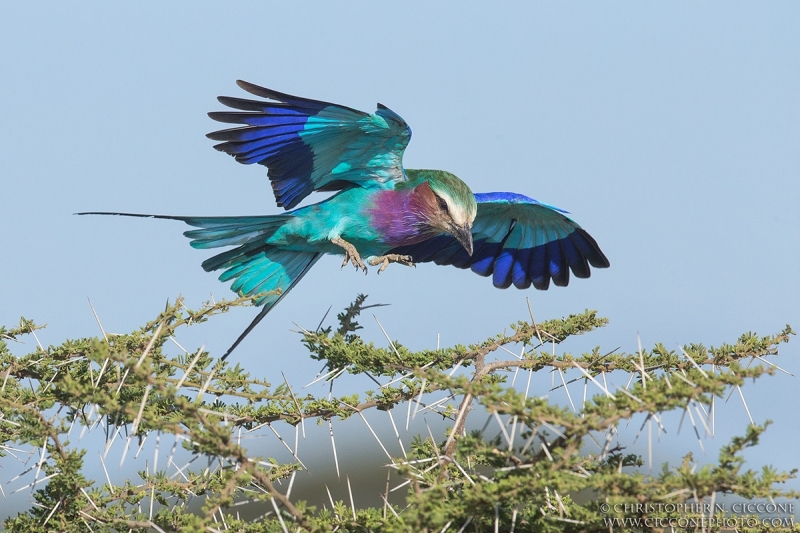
{"x":671,"y":132}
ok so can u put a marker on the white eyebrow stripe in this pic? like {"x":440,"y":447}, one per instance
{"x":458,"y":214}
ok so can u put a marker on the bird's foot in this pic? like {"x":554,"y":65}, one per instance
{"x":384,"y":261}
{"x":350,"y":254}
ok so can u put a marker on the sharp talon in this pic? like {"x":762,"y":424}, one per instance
{"x":385,"y":260}
{"x":350,"y":254}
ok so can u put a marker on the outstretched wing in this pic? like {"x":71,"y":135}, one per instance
{"x":517,"y":240}
{"x":309,"y":145}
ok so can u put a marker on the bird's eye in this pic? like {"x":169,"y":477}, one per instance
{"x":442,"y":204}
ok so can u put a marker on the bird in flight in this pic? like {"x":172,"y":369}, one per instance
{"x":381,"y":213}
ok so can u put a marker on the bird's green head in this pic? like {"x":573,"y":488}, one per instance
{"x":454,"y":207}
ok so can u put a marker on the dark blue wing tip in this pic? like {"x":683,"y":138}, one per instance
{"x":522,"y":267}
{"x":589,"y":248}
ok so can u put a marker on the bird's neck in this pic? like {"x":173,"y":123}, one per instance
{"x":403,"y":216}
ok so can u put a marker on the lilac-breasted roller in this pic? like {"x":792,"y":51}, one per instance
{"x":382,"y":212}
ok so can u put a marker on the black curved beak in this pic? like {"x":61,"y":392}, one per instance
{"x":463,"y":235}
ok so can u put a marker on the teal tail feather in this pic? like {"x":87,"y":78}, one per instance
{"x":258,"y":269}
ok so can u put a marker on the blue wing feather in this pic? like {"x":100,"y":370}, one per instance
{"x":519,"y":272}
{"x":538,"y":271}
{"x":482,"y":260}
{"x":502,"y":268}
{"x":558,"y":268}
{"x":577,"y":262}
{"x":309,"y":145}
{"x":517,"y":240}
{"x":257,"y":119}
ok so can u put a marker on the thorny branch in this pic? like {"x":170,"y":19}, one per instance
{"x":130,"y":383}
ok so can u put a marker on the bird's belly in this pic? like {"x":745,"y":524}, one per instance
{"x":314,"y":234}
